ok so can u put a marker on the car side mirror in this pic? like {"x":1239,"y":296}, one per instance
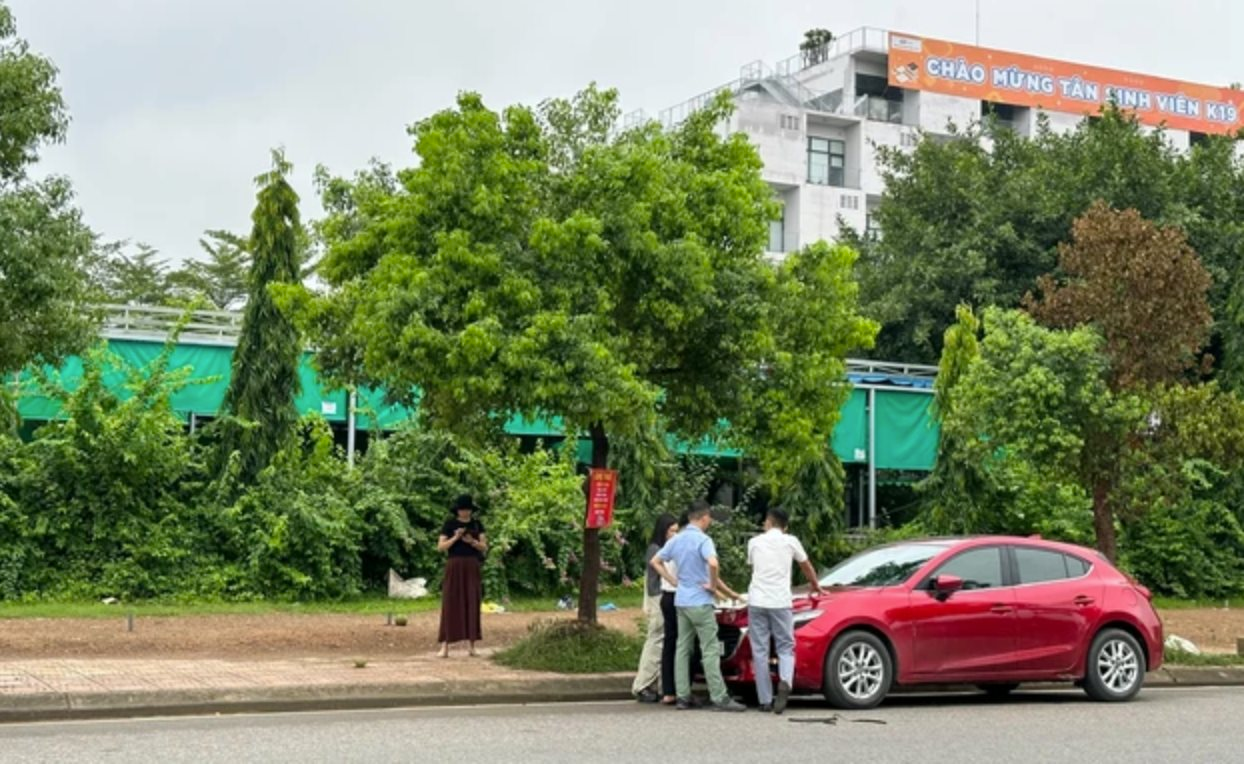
{"x":946,"y":585}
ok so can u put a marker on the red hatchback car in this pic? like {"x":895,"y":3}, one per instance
{"x":988,"y":611}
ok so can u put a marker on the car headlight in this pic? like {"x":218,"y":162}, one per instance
{"x":805,"y":616}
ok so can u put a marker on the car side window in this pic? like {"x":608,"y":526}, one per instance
{"x":979,"y":568}
{"x":1040,"y":565}
{"x":1076,"y":567}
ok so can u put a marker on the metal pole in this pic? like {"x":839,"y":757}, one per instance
{"x":193,"y":422}
{"x":351,"y":403}
{"x":872,"y":458}
{"x":978,"y":22}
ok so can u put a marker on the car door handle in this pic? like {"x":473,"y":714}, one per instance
{"x":1001,"y":609}
{"x":1083,"y":600}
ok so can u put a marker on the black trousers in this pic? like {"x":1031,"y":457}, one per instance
{"x":670,"y":646}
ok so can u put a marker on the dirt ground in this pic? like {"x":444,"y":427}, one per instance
{"x":255,"y":637}
{"x":1213,"y":630}
{"x":316,"y":636}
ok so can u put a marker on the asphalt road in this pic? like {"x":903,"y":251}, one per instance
{"x":1163,"y":725}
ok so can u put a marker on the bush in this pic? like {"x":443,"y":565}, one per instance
{"x":571,"y":647}
{"x":1192,"y":551}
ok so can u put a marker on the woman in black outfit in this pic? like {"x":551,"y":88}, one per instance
{"x":462,"y":538}
{"x":647,"y":682}
{"x":670,"y":646}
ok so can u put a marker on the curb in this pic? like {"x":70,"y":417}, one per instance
{"x":49,"y":706}
{"x":101,"y":705}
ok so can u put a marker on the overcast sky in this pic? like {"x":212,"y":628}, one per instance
{"x":176,"y":103}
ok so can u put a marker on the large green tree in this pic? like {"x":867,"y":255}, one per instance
{"x":133,"y":277}
{"x":1038,"y":430}
{"x":45,"y":249}
{"x":538,"y":263}
{"x":264,"y":381}
{"x":978,"y":217}
{"x":221,"y":276}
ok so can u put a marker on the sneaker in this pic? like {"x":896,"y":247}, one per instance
{"x":730,"y":704}
{"x":765,"y":708}
{"x":783,"y":695}
{"x":686,"y":704}
{"x":648,"y":696}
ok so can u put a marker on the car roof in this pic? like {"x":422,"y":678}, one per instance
{"x":956,"y":542}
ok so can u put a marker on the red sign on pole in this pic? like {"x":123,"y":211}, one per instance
{"x":600,"y":490}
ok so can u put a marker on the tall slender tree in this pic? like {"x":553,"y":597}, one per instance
{"x":265,"y":365}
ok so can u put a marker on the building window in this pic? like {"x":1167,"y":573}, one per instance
{"x":789,"y":122}
{"x":877,"y":100}
{"x":909,"y":140}
{"x":1197,"y":139}
{"x":1008,"y":116}
{"x":827,"y":161}
{"x":848,"y":202}
{"x":872,"y":226}
{"x":777,"y":233}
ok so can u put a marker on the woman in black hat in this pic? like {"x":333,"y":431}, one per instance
{"x":462,"y":537}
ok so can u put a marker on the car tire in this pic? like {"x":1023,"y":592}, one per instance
{"x":1115,"y":669}
{"x":998,"y":691}
{"x":858,"y":671}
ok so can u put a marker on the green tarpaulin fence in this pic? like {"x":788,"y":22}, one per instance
{"x":906,"y":431}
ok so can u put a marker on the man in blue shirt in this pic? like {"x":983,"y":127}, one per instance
{"x":695,"y":558}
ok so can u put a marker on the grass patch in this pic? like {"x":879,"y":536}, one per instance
{"x":1171,"y":603}
{"x":371,"y":604}
{"x":570,"y":647}
{"x":1181,"y":658}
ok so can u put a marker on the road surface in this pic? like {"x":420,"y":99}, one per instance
{"x":1162,"y":725}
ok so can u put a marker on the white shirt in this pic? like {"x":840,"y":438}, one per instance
{"x":673,"y":569}
{"x":770,"y":554}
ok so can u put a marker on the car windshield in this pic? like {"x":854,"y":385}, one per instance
{"x":886,"y":566}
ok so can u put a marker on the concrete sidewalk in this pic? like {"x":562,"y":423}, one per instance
{"x":59,"y":689}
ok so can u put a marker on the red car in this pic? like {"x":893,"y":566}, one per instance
{"x":988,"y":611}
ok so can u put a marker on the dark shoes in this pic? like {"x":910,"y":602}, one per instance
{"x":648,"y":696}
{"x":765,"y":708}
{"x":783,"y":695}
{"x":686,"y":704}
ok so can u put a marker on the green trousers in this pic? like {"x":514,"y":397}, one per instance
{"x":699,"y":622}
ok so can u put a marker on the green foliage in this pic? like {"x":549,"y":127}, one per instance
{"x":221,"y":278}
{"x":265,"y":365}
{"x":1033,"y":413}
{"x":571,"y":647}
{"x":32,"y":111}
{"x":138,"y":278}
{"x":1187,"y":550}
{"x":977,"y":217}
{"x":45,"y":248}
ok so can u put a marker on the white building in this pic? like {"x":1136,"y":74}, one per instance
{"x":818,"y":120}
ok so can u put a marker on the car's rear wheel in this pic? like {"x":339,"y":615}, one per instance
{"x":858,"y":671}
{"x":1115,"y":669}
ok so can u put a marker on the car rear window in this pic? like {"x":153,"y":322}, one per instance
{"x":1040,"y":565}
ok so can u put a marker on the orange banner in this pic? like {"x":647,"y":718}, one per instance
{"x":920,"y":63}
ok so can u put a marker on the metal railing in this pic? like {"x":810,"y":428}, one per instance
{"x":890,"y":368}
{"x":864,"y":38}
{"x":782,"y":79}
{"x":156,"y":323}
{"x":879,"y":109}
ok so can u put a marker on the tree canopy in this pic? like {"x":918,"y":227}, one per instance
{"x":265,"y":381}
{"x":538,"y":263}
{"x":978,"y":216}
{"x":45,"y":248}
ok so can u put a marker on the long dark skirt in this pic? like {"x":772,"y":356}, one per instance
{"x":670,"y":646}
{"x":461,"y":593}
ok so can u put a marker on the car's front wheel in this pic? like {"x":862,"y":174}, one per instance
{"x":1115,"y":669}
{"x":858,"y":671}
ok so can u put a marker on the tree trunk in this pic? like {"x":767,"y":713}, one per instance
{"x":590,"y":577}
{"x":1103,"y":518}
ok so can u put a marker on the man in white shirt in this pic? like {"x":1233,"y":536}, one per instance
{"x":769,"y":605}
